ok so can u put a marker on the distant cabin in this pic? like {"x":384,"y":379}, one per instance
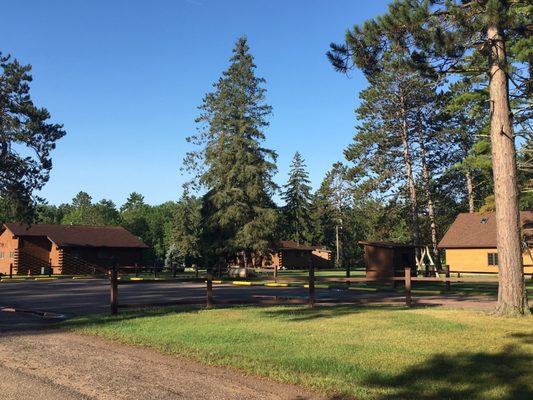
{"x":470,"y":243}
{"x":291,"y":255}
{"x":66,"y":249}
{"x":385,"y":260}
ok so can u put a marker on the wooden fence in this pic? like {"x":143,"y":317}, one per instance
{"x":311,"y":280}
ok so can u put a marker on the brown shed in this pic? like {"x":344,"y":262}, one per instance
{"x":67,"y":249}
{"x":386,"y":259}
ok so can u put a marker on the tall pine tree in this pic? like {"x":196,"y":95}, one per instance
{"x":231,"y":163}
{"x":482,"y":38}
{"x":297,"y":197}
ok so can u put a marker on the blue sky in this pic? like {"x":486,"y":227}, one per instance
{"x":126,"y":77}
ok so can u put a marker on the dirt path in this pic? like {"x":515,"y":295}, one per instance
{"x":57,"y":365}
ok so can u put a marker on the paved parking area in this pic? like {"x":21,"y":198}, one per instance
{"x":82,"y":297}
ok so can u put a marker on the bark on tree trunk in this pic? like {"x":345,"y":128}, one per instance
{"x":470,"y":191}
{"x":338,"y":247}
{"x":409,"y":174}
{"x":427,"y":190}
{"x":512,"y":298}
{"x":245,"y":256}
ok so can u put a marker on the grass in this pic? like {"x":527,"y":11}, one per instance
{"x":362,"y":352}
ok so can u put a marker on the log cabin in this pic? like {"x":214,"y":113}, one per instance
{"x":292,"y":255}
{"x":66,"y":249}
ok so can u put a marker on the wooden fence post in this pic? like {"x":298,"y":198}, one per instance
{"x":11,"y":271}
{"x":311,"y":285}
{"x":447,"y":270}
{"x":209,"y":281}
{"x":136,"y":270}
{"x":408,"y":299}
{"x":276,"y":273}
{"x":114,"y":291}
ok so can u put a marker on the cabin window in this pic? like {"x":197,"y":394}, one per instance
{"x":11,"y":254}
{"x":493,"y":259}
{"x":1,"y":255}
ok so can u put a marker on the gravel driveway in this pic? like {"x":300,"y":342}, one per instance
{"x":57,"y":365}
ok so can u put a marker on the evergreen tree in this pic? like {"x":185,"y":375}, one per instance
{"x":487,"y":38}
{"x":332,"y":214}
{"x":386,"y":148}
{"x":470,"y":147}
{"x":297,"y":197}
{"x":238,"y":213}
{"x":82,"y":211}
{"x":26,"y":140}
{"x":186,"y":230}
{"x":134,"y":215}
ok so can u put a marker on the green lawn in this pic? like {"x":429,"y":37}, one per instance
{"x":364,"y":352}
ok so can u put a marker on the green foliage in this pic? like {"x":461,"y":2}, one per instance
{"x":82,"y":211}
{"x":334,"y":214}
{"x":431,"y":41}
{"x":297,"y":198}
{"x":26,"y":141}
{"x":186,"y":230}
{"x":238,"y":214}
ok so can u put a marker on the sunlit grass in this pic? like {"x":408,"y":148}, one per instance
{"x":365,"y":352}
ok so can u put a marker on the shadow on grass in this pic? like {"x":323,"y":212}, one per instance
{"x":505,"y":375}
{"x":102,"y":319}
{"x":303,"y":313}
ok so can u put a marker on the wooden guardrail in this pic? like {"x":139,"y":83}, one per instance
{"x":311,"y":280}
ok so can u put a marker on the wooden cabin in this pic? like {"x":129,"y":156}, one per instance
{"x":470,"y":243}
{"x":291,"y":255}
{"x":66,"y":249}
{"x":386,"y":259}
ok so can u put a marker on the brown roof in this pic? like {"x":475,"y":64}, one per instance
{"x":478,"y":230}
{"x":292,"y":245}
{"x":387,"y":245}
{"x":79,"y":236}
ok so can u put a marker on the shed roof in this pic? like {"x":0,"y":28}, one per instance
{"x":478,"y":230}
{"x":79,"y":236}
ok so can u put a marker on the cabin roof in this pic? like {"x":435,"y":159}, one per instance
{"x":387,"y":245}
{"x":292,"y":245}
{"x":478,"y":230}
{"x":78,"y":235}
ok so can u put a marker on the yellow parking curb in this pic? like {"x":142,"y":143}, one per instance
{"x":45,"y":279}
{"x":136,"y":279}
{"x":274,"y":284}
{"x":217,"y":282}
{"x":242,"y":283}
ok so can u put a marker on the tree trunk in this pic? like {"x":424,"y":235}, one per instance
{"x":409,"y":174}
{"x":512,"y":298}
{"x":245,"y":258}
{"x":427,"y":190}
{"x":470,"y":191}
{"x":338,"y":247}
